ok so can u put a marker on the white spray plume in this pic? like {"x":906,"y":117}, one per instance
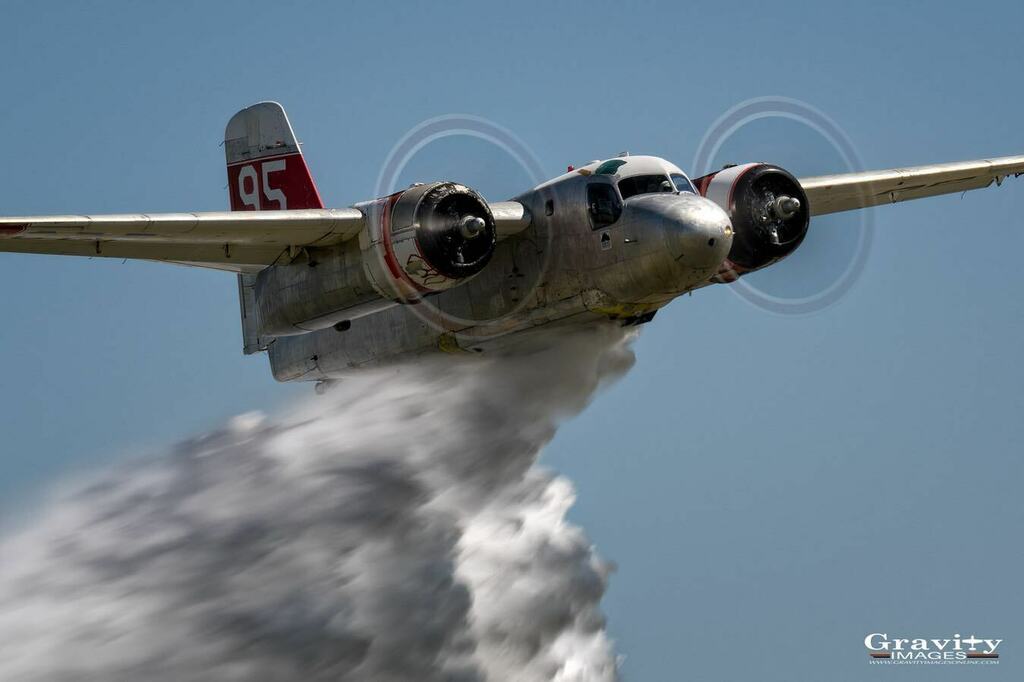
{"x":396,"y":529}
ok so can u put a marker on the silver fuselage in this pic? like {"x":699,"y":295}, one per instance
{"x":562,"y":269}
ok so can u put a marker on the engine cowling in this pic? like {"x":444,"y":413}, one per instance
{"x":769,"y":212}
{"x":426,"y":239}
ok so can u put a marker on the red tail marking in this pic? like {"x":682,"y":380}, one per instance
{"x":272,"y":183}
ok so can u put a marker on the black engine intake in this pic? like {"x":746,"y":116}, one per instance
{"x":455,"y":229}
{"x":426,"y":239}
{"x":768,"y":209}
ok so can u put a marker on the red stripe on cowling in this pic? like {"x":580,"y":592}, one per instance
{"x":389,"y":252}
{"x":385,"y":235}
{"x":11,"y":230}
{"x":703,"y":182}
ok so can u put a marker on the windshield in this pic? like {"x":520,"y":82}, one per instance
{"x":683,"y":183}
{"x":644,"y":184}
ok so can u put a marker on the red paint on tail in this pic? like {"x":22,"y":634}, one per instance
{"x":266,"y":171}
{"x":273,"y":183}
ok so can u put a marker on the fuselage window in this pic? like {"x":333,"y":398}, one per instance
{"x":683,"y":183}
{"x":604,"y":204}
{"x":645,"y":184}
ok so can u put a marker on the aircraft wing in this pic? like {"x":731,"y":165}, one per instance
{"x":240,"y":241}
{"x":845,"y":192}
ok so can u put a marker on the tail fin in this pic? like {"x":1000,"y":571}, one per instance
{"x":266,"y":171}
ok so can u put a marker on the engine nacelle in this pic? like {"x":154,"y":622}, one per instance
{"x":426,"y":239}
{"x":769,"y":213}
{"x":416,"y":242}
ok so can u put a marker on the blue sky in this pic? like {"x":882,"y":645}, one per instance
{"x":772,"y":488}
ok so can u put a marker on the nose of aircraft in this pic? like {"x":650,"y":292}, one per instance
{"x":697,"y":231}
{"x":705,"y":232}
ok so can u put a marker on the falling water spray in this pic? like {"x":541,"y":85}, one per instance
{"x":396,"y":528}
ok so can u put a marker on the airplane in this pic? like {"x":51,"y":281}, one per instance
{"x":437,"y":268}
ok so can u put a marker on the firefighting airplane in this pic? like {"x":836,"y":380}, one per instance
{"x":436,"y":267}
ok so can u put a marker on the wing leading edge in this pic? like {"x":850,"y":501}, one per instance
{"x":848,"y":191}
{"x":224,"y":240}
{"x":237,"y":241}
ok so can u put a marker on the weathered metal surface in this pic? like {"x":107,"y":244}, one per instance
{"x":560,"y":269}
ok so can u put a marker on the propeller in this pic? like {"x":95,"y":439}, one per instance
{"x":806,"y":143}
{"x":499,"y":165}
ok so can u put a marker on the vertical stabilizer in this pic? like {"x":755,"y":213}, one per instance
{"x":266,"y":170}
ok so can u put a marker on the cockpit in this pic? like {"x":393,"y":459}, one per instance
{"x":625,"y":177}
{"x":652,"y":184}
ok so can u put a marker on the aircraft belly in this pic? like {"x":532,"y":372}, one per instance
{"x":398,"y":333}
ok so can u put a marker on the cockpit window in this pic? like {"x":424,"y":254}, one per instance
{"x":683,"y":183}
{"x":645,"y":184}
{"x":603,"y":203}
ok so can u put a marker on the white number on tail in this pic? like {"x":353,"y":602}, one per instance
{"x":247,"y":178}
{"x":249,"y":198}
{"x":274,"y":194}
